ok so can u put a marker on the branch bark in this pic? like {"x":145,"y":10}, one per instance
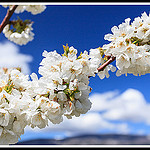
{"x":7,"y":17}
{"x":110,"y":60}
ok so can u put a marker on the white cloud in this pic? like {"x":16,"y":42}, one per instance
{"x":10,"y":56}
{"x":100,"y":101}
{"x":128,"y":106}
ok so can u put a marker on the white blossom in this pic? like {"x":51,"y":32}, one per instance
{"x":129,"y":43}
{"x":34,"y":9}
{"x":19,"y":38}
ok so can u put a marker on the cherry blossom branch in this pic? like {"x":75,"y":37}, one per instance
{"x":7,"y":17}
{"x":110,"y":60}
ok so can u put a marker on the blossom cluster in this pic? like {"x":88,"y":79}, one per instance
{"x":33,"y":9}
{"x":62,"y":90}
{"x":12,"y":103}
{"x":18,"y":31}
{"x":19,"y":37}
{"x":130,"y":44}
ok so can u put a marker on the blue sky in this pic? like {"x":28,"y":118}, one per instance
{"x":84,"y":27}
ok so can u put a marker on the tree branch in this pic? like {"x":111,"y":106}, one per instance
{"x":7,"y":17}
{"x":110,"y":60}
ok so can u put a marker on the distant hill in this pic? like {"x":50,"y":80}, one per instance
{"x":105,"y":139}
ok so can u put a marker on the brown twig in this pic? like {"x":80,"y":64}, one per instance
{"x":110,"y":60}
{"x":7,"y":17}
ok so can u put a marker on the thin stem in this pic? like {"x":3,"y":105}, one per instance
{"x":110,"y":60}
{"x":7,"y":17}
